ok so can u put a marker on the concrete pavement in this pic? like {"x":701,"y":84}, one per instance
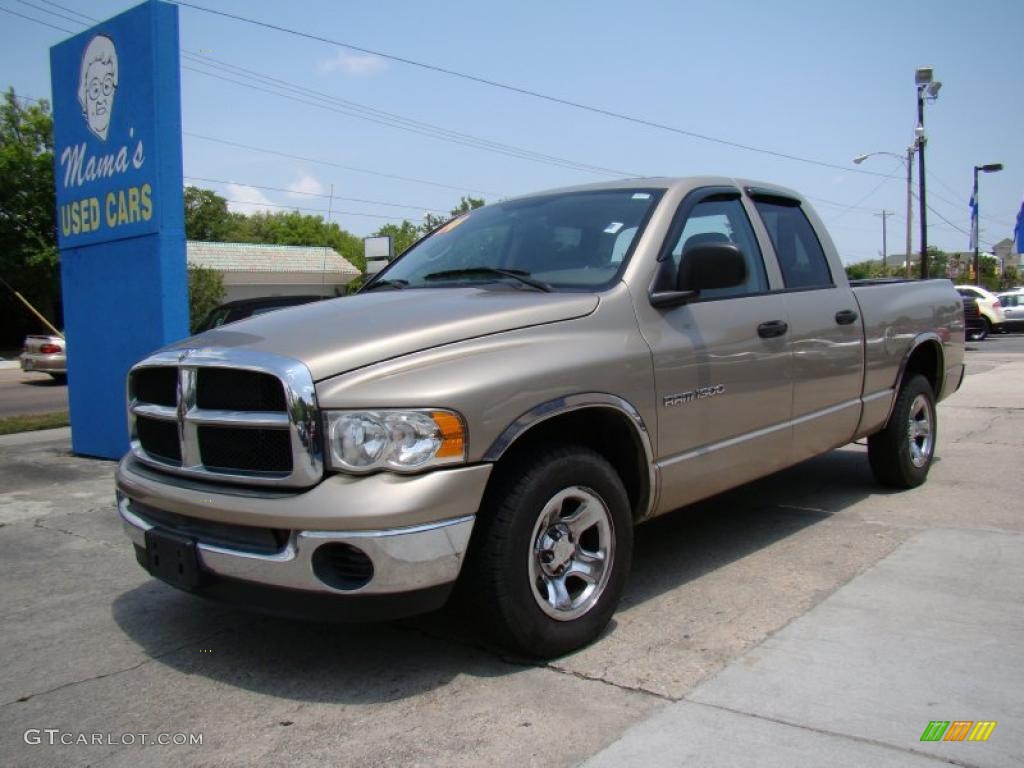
{"x":935,"y":631}
{"x":766,"y":624}
{"x":22,"y":393}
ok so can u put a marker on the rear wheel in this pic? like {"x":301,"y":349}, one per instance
{"x":901,"y":454}
{"x":551,"y":551}
{"x":983,"y":332}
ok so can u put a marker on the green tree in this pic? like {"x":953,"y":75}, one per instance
{"x":466,"y":204}
{"x":205,"y":291}
{"x":207,"y":216}
{"x":28,"y":227}
{"x":402,"y":235}
{"x":295,"y":228}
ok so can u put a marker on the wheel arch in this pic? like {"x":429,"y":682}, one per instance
{"x":606,"y":423}
{"x":924,"y":357}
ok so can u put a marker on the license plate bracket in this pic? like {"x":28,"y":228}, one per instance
{"x":173,"y":558}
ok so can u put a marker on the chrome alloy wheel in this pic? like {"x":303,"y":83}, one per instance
{"x":572,"y":553}
{"x":921,"y":431}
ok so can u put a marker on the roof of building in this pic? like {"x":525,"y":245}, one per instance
{"x":257,"y":257}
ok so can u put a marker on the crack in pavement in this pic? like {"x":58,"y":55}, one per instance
{"x":603,"y":681}
{"x":837,"y":734}
{"x":149,"y":659}
{"x":38,"y":523}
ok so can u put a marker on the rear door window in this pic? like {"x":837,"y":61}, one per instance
{"x":801,"y":257}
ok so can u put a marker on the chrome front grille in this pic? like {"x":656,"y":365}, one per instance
{"x":230,"y":415}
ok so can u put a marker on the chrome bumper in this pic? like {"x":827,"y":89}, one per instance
{"x":404,"y":559}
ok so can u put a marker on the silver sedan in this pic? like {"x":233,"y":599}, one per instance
{"x":46,"y":354}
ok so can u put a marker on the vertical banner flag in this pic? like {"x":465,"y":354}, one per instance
{"x":1018,"y":231}
{"x":120,"y":212}
{"x":973,"y":243}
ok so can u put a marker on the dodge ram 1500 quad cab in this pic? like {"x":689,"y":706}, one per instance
{"x":501,"y":405}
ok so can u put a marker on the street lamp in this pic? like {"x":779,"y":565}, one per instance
{"x":927,"y":87}
{"x":908,"y":163}
{"x":976,"y":229}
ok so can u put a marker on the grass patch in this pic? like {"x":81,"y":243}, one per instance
{"x":33,"y":421}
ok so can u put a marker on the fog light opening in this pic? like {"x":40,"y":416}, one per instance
{"x":342,"y":566}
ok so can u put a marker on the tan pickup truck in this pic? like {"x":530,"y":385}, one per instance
{"x":499,"y":407}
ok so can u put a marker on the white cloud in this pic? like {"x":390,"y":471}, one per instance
{"x":353,"y":64}
{"x":307,"y":185}
{"x":243,"y":199}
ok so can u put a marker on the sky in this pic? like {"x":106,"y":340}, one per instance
{"x":824,"y":81}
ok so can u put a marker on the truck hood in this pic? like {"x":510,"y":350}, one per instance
{"x":340,"y":335}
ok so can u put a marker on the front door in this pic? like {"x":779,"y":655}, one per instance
{"x":722,"y":363}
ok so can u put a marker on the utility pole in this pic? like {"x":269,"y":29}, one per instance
{"x":910,"y":205}
{"x":927,"y":86}
{"x":885,"y":249}
{"x":920,"y":182}
{"x":976,"y":216}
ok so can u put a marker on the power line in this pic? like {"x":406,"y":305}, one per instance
{"x":528,"y":92}
{"x":333,"y":164}
{"x":52,"y":13}
{"x":381,"y":117}
{"x":37,"y":21}
{"x":315,"y":210}
{"x":71,"y":10}
{"x":313,"y":194}
{"x":431,"y":132}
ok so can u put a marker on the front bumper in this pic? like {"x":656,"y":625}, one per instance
{"x":417,"y":558}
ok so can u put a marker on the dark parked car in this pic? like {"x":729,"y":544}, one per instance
{"x":243,"y":308}
{"x":975,"y":328}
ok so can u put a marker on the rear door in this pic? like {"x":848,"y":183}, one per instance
{"x":826,"y":333}
{"x":721,"y":362}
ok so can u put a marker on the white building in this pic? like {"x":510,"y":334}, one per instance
{"x":252,"y":270}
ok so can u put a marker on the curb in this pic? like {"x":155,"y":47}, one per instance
{"x":36,"y":437}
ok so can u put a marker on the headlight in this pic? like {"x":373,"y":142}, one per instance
{"x":404,"y":441}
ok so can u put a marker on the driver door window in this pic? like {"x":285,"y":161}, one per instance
{"x":723,"y":221}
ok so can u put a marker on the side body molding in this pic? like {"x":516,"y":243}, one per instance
{"x":577,"y":402}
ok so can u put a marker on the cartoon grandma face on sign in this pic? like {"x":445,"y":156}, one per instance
{"x":97,"y":84}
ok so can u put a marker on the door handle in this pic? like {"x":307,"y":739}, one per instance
{"x":772,"y":328}
{"x":846,"y":316}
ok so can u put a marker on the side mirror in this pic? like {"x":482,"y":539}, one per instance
{"x":711,"y":265}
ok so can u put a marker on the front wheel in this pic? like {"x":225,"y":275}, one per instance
{"x":551,"y":551}
{"x":901,"y":454}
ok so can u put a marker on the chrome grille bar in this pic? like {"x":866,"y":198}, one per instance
{"x":300,"y":420}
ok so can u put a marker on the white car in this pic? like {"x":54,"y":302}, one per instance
{"x":1013,"y":310}
{"x":45,"y":354}
{"x":991,"y":308}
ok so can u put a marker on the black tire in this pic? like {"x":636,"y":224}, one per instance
{"x":894,"y":461}
{"x":982,"y":333}
{"x":496,"y":581}
{"x":60,"y":378}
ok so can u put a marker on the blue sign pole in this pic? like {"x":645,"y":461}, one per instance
{"x":120,"y":211}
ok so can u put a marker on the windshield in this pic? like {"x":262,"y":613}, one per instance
{"x":572,"y":241}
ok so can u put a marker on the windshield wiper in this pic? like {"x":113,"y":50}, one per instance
{"x":516,"y":274}
{"x":396,"y":284}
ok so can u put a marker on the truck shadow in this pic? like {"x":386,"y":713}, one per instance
{"x":373,"y":663}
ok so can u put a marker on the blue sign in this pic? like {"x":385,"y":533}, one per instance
{"x":120,"y":210}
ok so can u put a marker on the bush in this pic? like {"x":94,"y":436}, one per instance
{"x":205,"y":292}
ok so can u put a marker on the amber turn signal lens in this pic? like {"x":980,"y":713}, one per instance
{"x":453,"y":436}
